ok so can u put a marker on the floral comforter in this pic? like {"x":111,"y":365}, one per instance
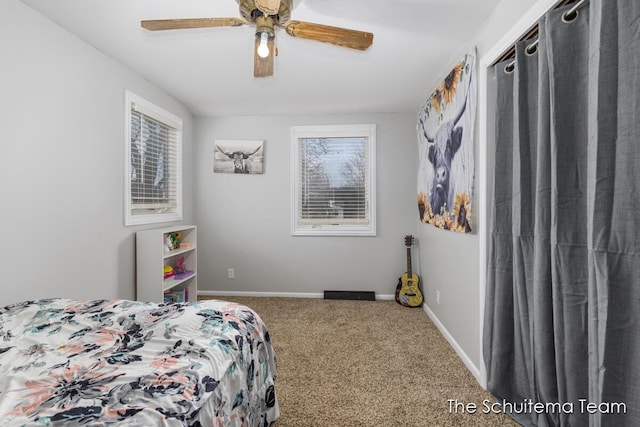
{"x":128,"y":363}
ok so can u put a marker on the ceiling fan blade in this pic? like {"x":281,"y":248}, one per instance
{"x":179,"y":24}
{"x":345,"y":37}
{"x":263,"y":67}
{"x":268,"y":7}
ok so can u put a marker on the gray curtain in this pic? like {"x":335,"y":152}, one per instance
{"x":562,"y":317}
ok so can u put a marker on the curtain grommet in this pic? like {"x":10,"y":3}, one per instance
{"x":569,"y":16}
{"x":510,"y":67}
{"x":572,"y":13}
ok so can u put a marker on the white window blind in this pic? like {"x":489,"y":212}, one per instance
{"x":334,"y":180}
{"x":154,"y":157}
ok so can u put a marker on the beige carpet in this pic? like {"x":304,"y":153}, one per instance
{"x":364,"y":363}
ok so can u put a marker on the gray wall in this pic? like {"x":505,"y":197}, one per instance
{"x":61,"y":147}
{"x":449,"y":262}
{"x":61,"y":131}
{"x":245,"y":220}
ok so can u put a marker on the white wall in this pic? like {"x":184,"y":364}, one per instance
{"x":61,"y":148}
{"x":245,"y":221}
{"x":450,"y":262}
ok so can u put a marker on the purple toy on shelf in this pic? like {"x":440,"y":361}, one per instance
{"x":181,"y":270}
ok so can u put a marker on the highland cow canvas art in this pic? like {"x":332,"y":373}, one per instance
{"x":445,"y":139}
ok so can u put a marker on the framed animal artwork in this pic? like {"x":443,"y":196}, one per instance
{"x":238,"y":156}
{"x":445,"y":142}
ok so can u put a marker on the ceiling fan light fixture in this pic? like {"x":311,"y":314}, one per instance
{"x":263,"y":48}
{"x":267,"y":16}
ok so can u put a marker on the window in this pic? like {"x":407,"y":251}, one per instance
{"x":333,"y":180}
{"x":153,"y":182}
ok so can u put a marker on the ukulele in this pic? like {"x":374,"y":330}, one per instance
{"x":408,"y":291}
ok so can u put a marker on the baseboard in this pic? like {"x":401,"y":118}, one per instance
{"x":260,"y":294}
{"x":452,"y":342}
{"x":277,"y":294}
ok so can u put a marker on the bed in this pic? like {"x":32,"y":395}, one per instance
{"x":130,"y":363}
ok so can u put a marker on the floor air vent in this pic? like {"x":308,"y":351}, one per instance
{"x":351,"y":295}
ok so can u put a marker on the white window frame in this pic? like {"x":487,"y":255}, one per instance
{"x":302,"y":228}
{"x":136,"y":103}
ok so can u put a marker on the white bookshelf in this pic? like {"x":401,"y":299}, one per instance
{"x":151,"y":257}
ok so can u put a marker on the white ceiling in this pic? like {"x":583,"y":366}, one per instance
{"x":211,"y":70}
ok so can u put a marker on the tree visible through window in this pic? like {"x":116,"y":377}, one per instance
{"x":149,"y":162}
{"x":153,"y":185}
{"x":334,"y":180}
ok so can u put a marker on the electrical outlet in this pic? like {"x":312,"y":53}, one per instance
{"x":231,"y":273}
{"x":438,"y":297}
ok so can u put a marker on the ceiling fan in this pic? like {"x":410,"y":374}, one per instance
{"x":266,"y":15}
